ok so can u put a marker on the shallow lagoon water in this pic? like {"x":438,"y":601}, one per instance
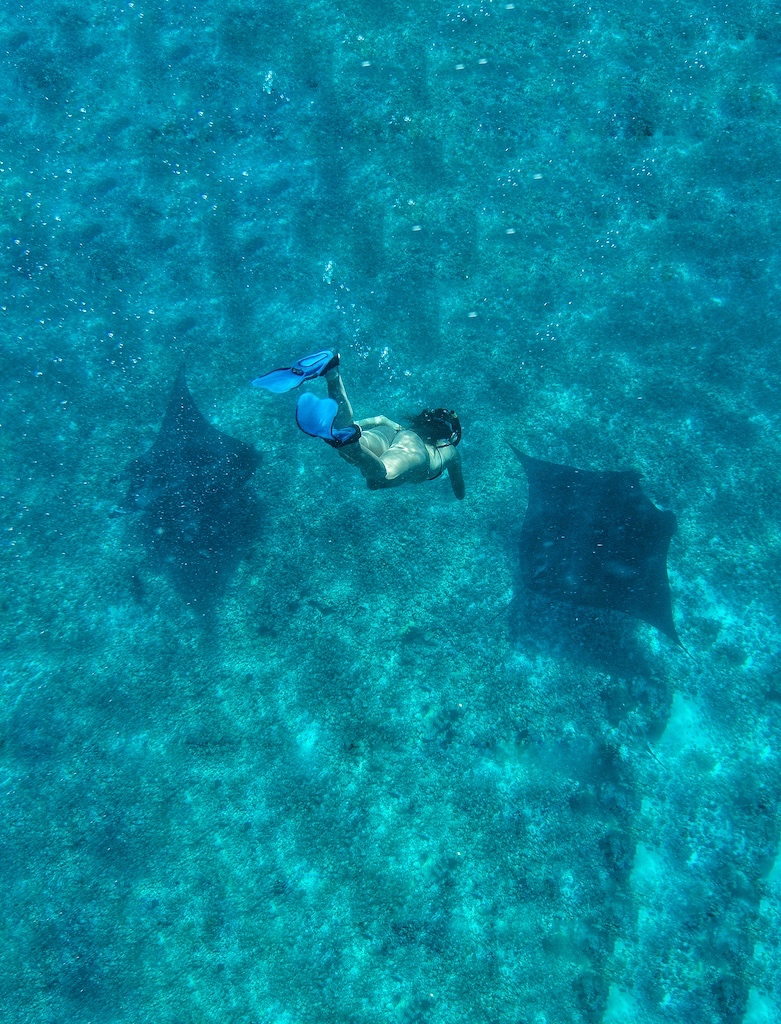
{"x":368,"y":779}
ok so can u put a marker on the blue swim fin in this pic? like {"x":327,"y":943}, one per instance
{"x":306,"y":368}
{"x":315,"y":416}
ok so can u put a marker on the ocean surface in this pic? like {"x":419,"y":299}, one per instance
{"x":361,"y":777}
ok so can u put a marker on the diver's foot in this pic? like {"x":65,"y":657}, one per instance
{"x":316,"y":365}
{"x":343,"y":436}
{"x":315,"y":416}
{"x":332,"y":364}
{"x":304,"y":369}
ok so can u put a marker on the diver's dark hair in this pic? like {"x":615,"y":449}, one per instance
{"x":439,"y":427}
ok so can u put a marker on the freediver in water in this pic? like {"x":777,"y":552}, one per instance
{"x":386,"y":453}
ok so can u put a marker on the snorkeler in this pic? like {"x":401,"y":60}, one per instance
{"x":386,"y":453}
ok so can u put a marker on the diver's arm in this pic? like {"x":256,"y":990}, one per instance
{"x":379,"y":421}
{"x":456,"y":475}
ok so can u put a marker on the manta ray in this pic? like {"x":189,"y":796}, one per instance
{"x":594,"y":539}
{"x":191,"y":491}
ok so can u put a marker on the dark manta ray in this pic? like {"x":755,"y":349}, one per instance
{"x":191,"y":490}
{"x":595,"y":539}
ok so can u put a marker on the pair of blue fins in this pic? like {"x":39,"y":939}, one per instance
{"x":315,"y":416}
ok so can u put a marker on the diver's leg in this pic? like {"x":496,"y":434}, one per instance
{"x":344,"y":413}
{"x":407,"y":458}
{"x":369,"y":453}
{"x":365,"y":453}
{"x":360,"y":455}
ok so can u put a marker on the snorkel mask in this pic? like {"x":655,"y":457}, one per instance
{"x":438,"y":427}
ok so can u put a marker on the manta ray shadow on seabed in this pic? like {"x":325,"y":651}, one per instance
{"x":197,"y":515}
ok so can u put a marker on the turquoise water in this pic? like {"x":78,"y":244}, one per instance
{"x":366,"y":782}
